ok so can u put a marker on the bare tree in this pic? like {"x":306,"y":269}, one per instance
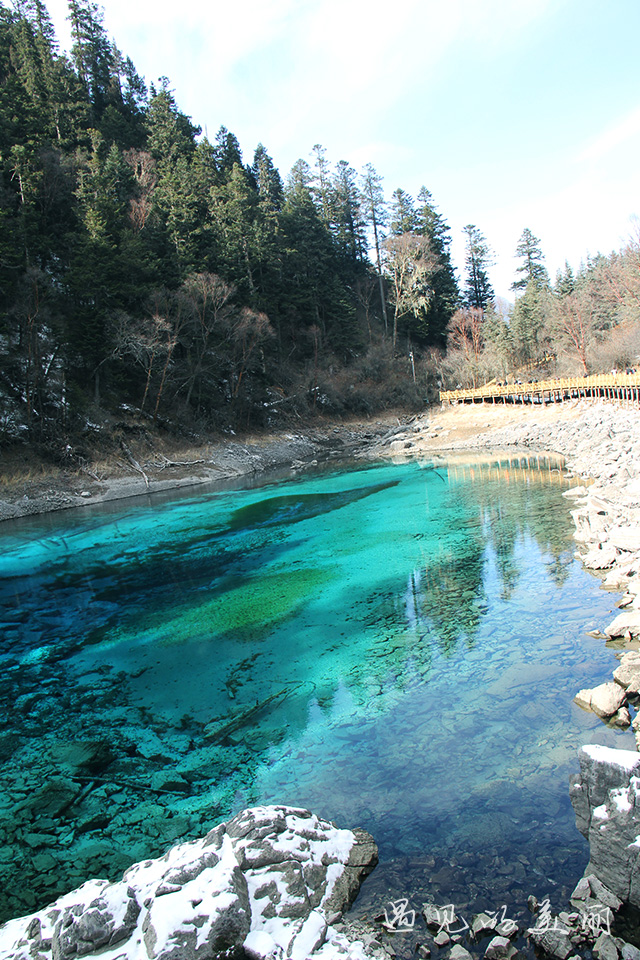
{"x":409,"y":263}
{"x":574,"y":323}
{"x":144,"y":171}
{"x":249,"y":330}
{"x":465,"y":337}
{"x":147,"y":340}
{"x":206,"y":298}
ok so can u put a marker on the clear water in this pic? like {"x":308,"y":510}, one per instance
{"x":395,"y":646}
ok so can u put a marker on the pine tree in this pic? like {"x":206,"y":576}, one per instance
{"x":267,"y":179}
{"x":92,"y":52}
{"x":478,"y":291}
{"x":376,"y":215}
{"x":227,"y":153}
{"x":445,"y":296}
{"x":528,"y":322}
{"x":347,"y":220}
{"x":321,"y":184}
{"x":532,"y":268}
{"x":565,"y":281}
{"x":403,"y":217}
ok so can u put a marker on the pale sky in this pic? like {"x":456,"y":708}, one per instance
{"x":513,"y":113}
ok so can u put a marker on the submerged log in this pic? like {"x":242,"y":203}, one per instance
{"x":219,"y":734}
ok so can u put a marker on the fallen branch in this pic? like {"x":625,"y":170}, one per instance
{"x":134,"y":463}
{"x":217,"y":736}
{"x":84,"y":466}
{"x":165,"y":462}
{"x":99,"y":781}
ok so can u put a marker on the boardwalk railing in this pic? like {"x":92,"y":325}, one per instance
{"x":605,"y":386}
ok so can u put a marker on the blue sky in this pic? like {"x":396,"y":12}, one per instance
{"x":513,"y":113}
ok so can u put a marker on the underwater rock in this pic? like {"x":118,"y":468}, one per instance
{"x":263,"y":884}
{"x":50,"y":801}
{"x":500,"y":948}
{"x":554,"y":940}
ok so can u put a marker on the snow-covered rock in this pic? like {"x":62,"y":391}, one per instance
{"x":606,"y":800}
{"x":266,"y":882}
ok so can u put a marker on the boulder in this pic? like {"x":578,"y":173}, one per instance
{"x":605,"y":800}
{"x":629,"y":670}
{"x":605,"y":947}
{"x":607,"y":698}
{"x":625,"y":624}
{"x":482,"y":924}
{"x":601,"y":557}
{"x":553,"y":940}
{"x":626,"y":537}
{"x":583,"y":699}
{"x":500,"y":948}
{"x":621,"y":719}
{"x":261,"y":885}
{"x":458,"y":952}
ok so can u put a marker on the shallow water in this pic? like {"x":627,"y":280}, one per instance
{"x":395,"y":646}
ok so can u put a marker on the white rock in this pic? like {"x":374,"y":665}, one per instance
{"x":625,"y":623}
{"x":601,"y":558}
{"x":574,"y":492}
{"x":607,"y":698}
{"x":622,"y":718}
{"x":628,"y":670}
{"x":583,"y":699}
{"x":626,"y":537}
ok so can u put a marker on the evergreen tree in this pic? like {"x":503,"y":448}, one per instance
{"x":92,"y":53}
{"x":532,"y":268}
{"x":299,"y":183}
{"x":478,"y":292}
{"x":376,"y":216}
{"x":321,"y":184}
{"x":528,"y":324}
{"x":267,"y":180}
{"x":235,"y":212}
{"x":347,"y":220}
{"x":445,"y":293}
{"x":227,"y":153}
{"x":403,"y":217}
{"x":565,"y":281}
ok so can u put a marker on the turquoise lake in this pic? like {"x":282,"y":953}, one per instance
{"x":394,"y":646}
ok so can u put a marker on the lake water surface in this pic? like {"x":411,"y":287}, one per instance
{"x":396,"y":647}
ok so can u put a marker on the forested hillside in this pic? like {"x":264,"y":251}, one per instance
{"x":146,"y":268}
{"x":143,"y":265}
{"x":585,"y":322}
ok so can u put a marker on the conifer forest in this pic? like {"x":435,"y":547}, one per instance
{"x":144,"y":266}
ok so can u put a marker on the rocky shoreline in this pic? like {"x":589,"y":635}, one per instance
{"x":136,"y":473}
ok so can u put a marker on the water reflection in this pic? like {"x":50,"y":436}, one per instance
{"x":395,"y":646}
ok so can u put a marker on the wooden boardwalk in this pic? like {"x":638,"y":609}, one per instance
{"x":602,"y":386}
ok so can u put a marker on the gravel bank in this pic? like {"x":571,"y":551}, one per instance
{"x":134,"y":474}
